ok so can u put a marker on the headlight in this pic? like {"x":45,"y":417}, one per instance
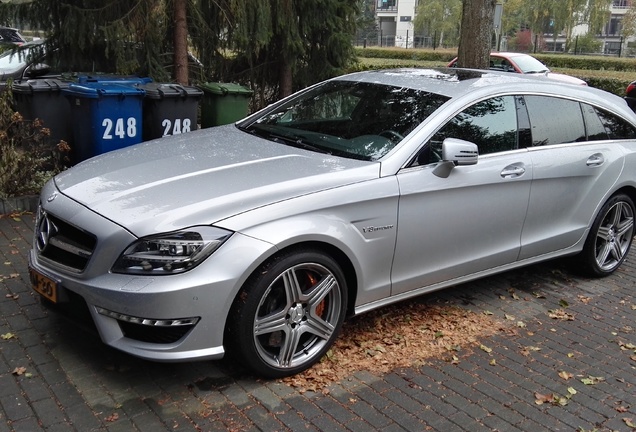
{"x":171,"y":253}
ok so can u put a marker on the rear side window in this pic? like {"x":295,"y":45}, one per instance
{"x":596,"y":130}
{"x":554,"y":120}
{"x":616,"y":127}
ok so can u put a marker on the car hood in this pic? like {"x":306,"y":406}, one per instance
{"x":201,"y":177}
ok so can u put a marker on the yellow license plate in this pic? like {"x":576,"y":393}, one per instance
{"x":43,"y":285}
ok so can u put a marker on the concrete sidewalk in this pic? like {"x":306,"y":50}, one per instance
{"x":54,"y":376}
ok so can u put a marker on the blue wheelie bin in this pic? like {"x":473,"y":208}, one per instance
{"x":105,"y":117}
{"x":113,"y":79}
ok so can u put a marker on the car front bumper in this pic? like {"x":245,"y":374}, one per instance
{"x":161,"y":318}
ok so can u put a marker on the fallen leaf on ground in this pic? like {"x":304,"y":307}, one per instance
{"x":565,"y":375}
{"x":540,"y":399}
{"x":584,"y":299}
{"x":19,"y":371}
{"x":561,"y":315}
{"x":424,"y":331}
{"x":591,"y":380}
{"x":8,"y":336}
{"x":113,"y":417}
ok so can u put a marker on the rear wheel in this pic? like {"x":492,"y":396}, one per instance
{"x":288,"y":314}
{"x":610,"y":238}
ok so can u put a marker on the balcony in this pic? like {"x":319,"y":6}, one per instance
{"x":386,"y":6}
{"x":621,"y":4}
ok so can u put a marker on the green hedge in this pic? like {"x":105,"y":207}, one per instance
{"x":407,"y":54}
{"x":567,"y":61}
{"x":607,"y":73}
{"x":597,"y":63}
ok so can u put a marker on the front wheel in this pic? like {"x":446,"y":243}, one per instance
{"x":288,"y":313}
{"x":610,"y":238}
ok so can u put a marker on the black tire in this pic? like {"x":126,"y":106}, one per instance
{"x":288,"y":314}
{"x":610,"y":237}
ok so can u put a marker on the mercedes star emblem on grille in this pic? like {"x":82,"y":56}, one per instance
{"x":46,"y":230}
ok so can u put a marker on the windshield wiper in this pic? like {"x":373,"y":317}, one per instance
{"x":288,"y":138}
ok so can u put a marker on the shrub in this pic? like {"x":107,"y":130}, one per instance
{"x":28,"y":156}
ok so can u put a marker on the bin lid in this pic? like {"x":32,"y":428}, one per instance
{"x":167,"y":90}
{"x":39,"y":85}
{"x":225,"y":88}
{"x":114,"y":79}
{"x":97,"y":90}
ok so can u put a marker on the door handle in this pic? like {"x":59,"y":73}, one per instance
{"x":513,"y":171}
{"x":596,"y":159}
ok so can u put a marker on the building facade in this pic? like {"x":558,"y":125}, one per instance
{"x":395,"y":24}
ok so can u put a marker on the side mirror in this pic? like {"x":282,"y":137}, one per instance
{"x":37,"y":70}
{"x":459,"y":152}
{"x":456,"y":152}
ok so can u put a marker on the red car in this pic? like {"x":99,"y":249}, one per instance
{"x":630,"y":95}
{"x":525,"y":64}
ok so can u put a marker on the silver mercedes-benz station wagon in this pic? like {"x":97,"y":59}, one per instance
{"x":258,"y":238}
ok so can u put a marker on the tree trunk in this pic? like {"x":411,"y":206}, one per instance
{"x":476,"y":33}
{"x":180,"y":41}
{"x":284,"y":78}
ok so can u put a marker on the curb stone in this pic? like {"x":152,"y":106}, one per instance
{"x":28,"y":203}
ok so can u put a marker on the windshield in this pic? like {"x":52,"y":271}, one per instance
{"x":529,"y":64}
{"x":351,"y":119}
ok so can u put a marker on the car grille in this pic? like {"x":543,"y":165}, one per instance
{"x":63,"y":243}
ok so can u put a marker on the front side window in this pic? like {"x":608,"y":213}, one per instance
{"x":491,"y":124}
{"x":351,"y":119}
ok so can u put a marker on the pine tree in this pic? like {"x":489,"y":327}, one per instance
{"x":275,"y":46}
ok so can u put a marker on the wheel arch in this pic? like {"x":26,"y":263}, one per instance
{"x":343,"y":261}
{"x":346,"y":265}
{"x":630,"y":191}
{"x":590,"y":254}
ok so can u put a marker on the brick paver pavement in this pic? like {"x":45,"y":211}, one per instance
{"x":71,"y":381}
